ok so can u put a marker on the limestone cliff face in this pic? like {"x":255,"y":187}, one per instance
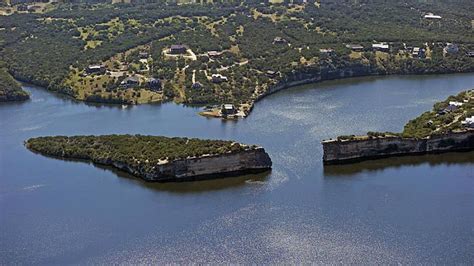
{"x":321,"y":74}
{"x":344,"y":151}
{"x":248,"y":161}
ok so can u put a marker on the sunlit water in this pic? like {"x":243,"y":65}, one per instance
{"x":400,"y":210}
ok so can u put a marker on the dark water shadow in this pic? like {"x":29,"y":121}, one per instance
{"x":378,"y":165}
{"x":214,"y":184}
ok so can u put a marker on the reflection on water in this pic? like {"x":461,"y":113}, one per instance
{"x":192,"y":186}
{"x":346,"y":170}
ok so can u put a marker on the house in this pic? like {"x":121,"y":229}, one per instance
{"x":383,"y":47}
{"x":468,"y":122}
{"x":218,"y":78}
{"x":196,"y":86}
{"x":457,"y":104}
{"x":213,"y":54}
{"x":129,"y":82}
{"x":452,"y":106}
{"x":95,"y":69}
{"x":432,"y":16}
{"x":178,"y":49}
{"x":450,"y":48}
{"x":355,"y":47}
{"x":228,"y":109}
{"x":327,"y":52}
{"x":418,"y":52}
{"x":272,"y":74}
{"x":441,"y":112}
{"x":154,"y":84}
{"x":279,"y":40}
{"x":22,"y":8}
{"x":33,"y":8}
{"x":143,"y":55}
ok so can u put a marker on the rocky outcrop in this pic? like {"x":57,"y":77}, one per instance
{"x":308,"y":76}
{"x":204,"y":167}
{"x":346,"y":151}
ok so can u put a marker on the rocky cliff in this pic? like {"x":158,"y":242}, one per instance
{"x":204,"y":167}
{"x":345,"y":151}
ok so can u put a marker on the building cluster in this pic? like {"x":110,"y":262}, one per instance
{"x":134,"y":81}
{"x":452,"y":106}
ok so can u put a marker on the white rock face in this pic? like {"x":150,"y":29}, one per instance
{"x":356,"y":150}
{"x":252,"y":160}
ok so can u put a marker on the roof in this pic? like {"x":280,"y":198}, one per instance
{"x":453,"y":103}
{"x":213,"y":53}
{"x":177,"y":47}
{"x":228,"y":106}
{"x":432,"y":16}
{"x":218,"y":76}
{"x":469,"y":120}
{"x":354,"y":46}
{"x":329,"y":50}
{"x":132,"y":79}
{"x":380,"y":45}
{"x":95,"y":66}
{"x":278,"y":38}
{"x":153,"y":80}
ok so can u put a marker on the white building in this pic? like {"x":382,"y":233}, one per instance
{"x":457,"y":104}
{"x":432,"y":16}
{"x":218,"y":78}
{"x":380,"y":47}
{"x":469,"y":122}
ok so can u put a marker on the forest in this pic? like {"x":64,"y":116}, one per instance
{"x":53,"y":49}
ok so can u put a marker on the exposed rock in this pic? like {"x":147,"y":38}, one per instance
{"x":205,"y":167}
{"x":346,"y":151}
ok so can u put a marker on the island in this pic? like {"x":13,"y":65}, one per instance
{"x":10,"y":89}
{"x":156,"y":158}
{"x":448,"y":127}
{"x":226,"y":55}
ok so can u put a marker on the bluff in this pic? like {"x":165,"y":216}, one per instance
{"x":346,"y":151}
{"x":155,"y":158}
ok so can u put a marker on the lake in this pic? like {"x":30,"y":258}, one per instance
{"x":399,"y":210}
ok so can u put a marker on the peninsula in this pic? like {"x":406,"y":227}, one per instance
{"x":10,"y":89}
{"x":448,"y":127}
{"x":155,"y":158}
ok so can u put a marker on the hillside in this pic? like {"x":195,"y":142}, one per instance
{"x":231,"y":52}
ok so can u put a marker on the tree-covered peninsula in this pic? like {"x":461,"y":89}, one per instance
{"x":10,"y":89}
{"x":229,"y":52}
{"x":448,"y":127}
{"x":156,"y":158}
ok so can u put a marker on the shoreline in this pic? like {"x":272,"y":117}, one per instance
{"x":274,"y":89}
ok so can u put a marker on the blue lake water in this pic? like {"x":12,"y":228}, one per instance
{"x":399,"y":210}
